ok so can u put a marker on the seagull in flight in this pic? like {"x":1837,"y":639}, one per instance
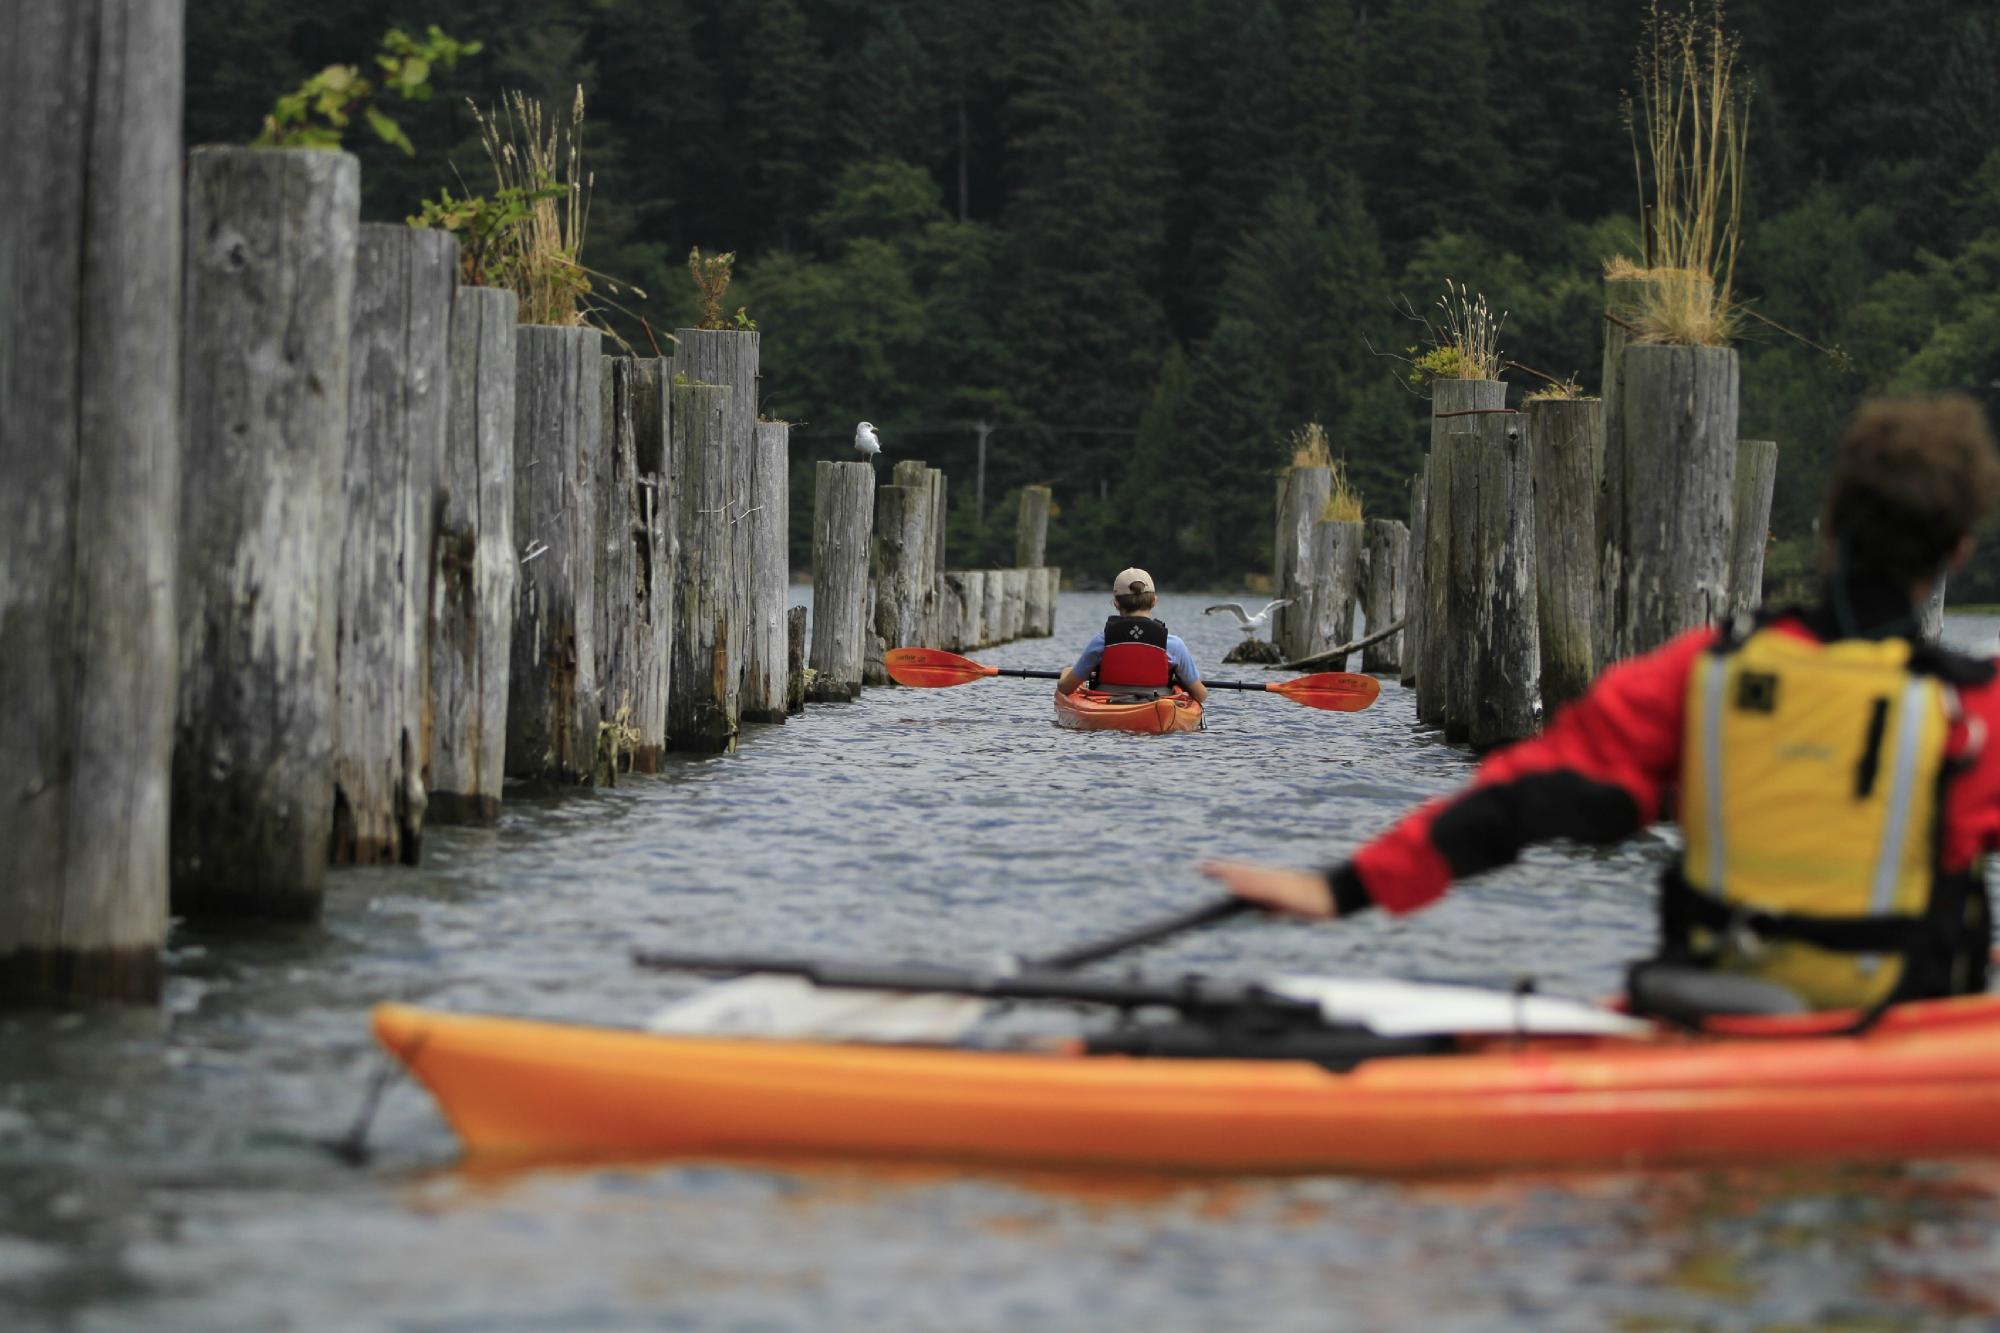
{"x":1246,"y":622}
{"x":865,"y":442}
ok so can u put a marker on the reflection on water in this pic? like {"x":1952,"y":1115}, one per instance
{"x":162,"y":1169}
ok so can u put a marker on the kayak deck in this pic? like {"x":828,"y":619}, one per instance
{"x":1925,"y":1084}
{"x":1095,"y":710}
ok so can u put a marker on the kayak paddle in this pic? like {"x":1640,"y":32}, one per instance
{"x":933,"y":668}
{"x":783,"y":997}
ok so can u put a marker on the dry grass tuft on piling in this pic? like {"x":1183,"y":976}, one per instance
{"x":1310,"y":447}
{"x":1343,"y":504}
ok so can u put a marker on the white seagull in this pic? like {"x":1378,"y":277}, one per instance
{"x":865,"y":442}
{"x":1248,"y":623}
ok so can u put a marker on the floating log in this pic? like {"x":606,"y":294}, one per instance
{"x":398,"y":390}
{"x":1666,"y":551}
{"x":843,"y":526}
{"x":475,"y":579}
{"x":270,"y":282}
{"x":1503,"y":684}
{"x":795,"y":660}
{"x":763,"y":529}
{"x":658,"y":563}
{"x":1334,"y":585}
{"x":1750,"y":524}
{"x":552,"y":712}
{"x":90,"y":443}
{"x":1031,"y":527}
{"x":1303,"y":497}
{"x":1413,"y":576}
{"x":702,"y":699}
{"x":1564,"y":441}
{"x":1383,"y":599}
{"x":1327,"y":661}
{"x":898,"y":551}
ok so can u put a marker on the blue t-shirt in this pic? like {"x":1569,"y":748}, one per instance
{"x":1183,"y":660}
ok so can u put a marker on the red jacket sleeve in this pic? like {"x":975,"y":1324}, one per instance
{"x":1600,"y":772}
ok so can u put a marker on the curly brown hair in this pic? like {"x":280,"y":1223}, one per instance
{"x":1912,"y":478}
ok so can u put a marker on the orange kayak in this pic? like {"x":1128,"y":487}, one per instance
{"x":1924,"y":1083}
{"x":1092,"y":710}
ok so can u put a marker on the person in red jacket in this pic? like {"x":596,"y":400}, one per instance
{"x":1836,"y":779}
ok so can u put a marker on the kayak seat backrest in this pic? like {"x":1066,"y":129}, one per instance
{"x":1688,"y":996}
{"x":1137,"y":665}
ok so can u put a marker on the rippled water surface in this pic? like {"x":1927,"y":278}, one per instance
{"x":159,"y":1169}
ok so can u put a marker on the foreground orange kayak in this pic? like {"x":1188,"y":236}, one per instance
{"x":1925,"y":1083}
{"x":1092,"y":710}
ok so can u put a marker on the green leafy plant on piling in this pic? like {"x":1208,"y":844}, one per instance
{"x":317,"y":113}
{"x":1460,"y":341}
{"x":487,"y":228}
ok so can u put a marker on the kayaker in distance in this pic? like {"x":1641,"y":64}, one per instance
{"x":1837,"y":781}
{"x":1134,"y":651}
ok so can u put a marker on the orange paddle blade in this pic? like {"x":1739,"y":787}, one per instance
{"x":933,"y":668}
{"x":1335,"y":691}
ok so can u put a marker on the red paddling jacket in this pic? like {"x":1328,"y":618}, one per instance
{"x":1913,"y":917}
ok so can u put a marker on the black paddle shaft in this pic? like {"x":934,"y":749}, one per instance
{"x":1024,"y":674}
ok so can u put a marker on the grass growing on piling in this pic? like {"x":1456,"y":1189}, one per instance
{"x":1689,"y":123}
{"x":1310,"y":447}
{"x":1343,"y":503}
{"x":1460,"y":341}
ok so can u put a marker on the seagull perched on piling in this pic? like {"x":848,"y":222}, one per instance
{"x":865,"y":442}
{"x":1246,"y":622}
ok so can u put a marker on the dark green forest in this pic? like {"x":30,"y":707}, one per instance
{"x":1146,"y":241}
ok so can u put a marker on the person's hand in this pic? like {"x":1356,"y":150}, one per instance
{"x":1275,"y":888}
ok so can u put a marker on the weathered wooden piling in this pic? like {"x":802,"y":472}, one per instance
{"x":1665,"y":545}
{"x":552,"y":713}
{"x":843,"y":526}
{"x":1013,"y":603}
{"x":1031,"y":528}
{"x":614,"y":568}
{"x":270,"y":282}
{"x":1564,"y":442}
{"x":923,"y":479}
{"x":398,"y":389}
{"x":1384,"y":594}
{"x":898,"y":551}
{"x":1303,"y":497}
{"x":1750,"y":524}
{"x":795,"y":660}
{"x":655,"y":533}
{"x":966,"y":590}
{"x":476,"y":575}
{"x":1457,"y":406}
{"x":90,"y":441}
{"x":993,"y":608}
{"x":1333,"y":585}
{"x":702,"y":699}
{"x":1413,"y":576}
{"x":730,"y":357}
{"x":1500,"y":643}
{"x":762,"y":527}
{"x":1038,"y":620}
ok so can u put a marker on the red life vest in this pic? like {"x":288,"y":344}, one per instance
{"x":1135,"y":655}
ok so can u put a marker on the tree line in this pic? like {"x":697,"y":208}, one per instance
{"x":1147,"y":240}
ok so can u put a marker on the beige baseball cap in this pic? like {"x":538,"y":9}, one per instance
{"x":1131,"y":581}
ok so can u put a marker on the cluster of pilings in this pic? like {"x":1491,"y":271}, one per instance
{"x":1551,"y":540}
{"x":1328,"y":568}
{"x":303,"y":546}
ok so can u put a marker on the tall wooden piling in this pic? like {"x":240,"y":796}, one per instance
{"x":1383,"y":600}
{"x":1031,"y":528}
{"x":763,"y":527}
{"x":993,"y":608}
{"x":654,"y":534}
{"x":1013,"y":603}
{"x":1334,"y":584}
{"x":702,"y":700}
{"x":398,"y":390}
{"x":730,"y":357}
{"x":1564,"y":442}
{"x":969,"y":588}
{"x":1750,"y":524}
{"x":1457,"y":406}
{"x":1038,"y":620}
{"x":1501,"y":642}
{"x":270,"y":282}
{"x":898,"y":551}
{"x":476,"y":575}
{"x":1413,"y":577}
{"x":90,"y":438}
{"x":1302,"y":499}
{"x":795,"y":660}
{"x":1666,"y":551}
{"x":615,"y":564}
{"x":921,"y":478}
{"x":552,"y":691}
{"x":843,"y":526}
